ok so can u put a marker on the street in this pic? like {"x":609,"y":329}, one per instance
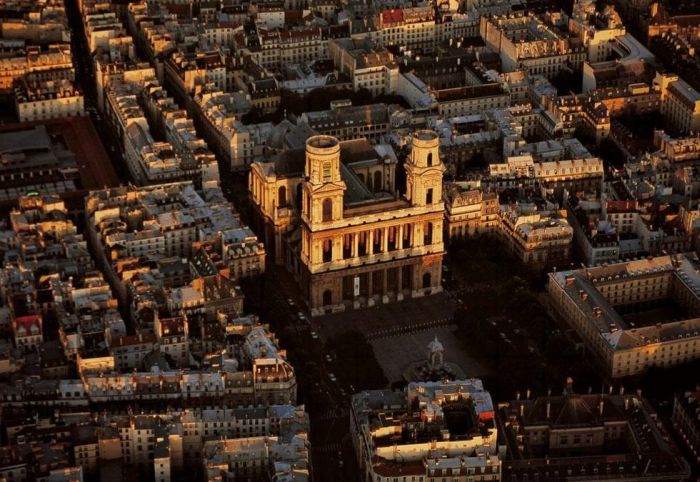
{"x":85,"y":80}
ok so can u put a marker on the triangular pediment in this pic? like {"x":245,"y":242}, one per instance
{"x":329,"y":187}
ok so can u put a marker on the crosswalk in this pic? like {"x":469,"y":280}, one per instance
{"x":407,"y":329}
{"x":327,"y":448}
{"x":334,"y":414}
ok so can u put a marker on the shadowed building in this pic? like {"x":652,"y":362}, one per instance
{"x":587,"y":437}
{"x":633,"y":315}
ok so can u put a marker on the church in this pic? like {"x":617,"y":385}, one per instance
{"x":346,"y":234}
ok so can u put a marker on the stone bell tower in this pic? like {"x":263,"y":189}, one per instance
{"x":424,"y":170}
{"x":324,"y":187}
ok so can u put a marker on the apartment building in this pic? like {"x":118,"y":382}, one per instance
{"x":536,"y":237}
{"x":469,"y":211}
{"x":258,"y":374}
{"x":274,"y":48}
{"x":162,"y":221}
{"x":391,"y":433}
{"x":36,"y":64}
{"x":369,"y":68}
{"x":184,"y":71}
{"x":259,"y":458}
{"x":219,"y":115}
{"x":346,"y":121}
{"x":48,"y":100}
{"x":38,"y":22}
{"x":686,"y":409}
{"x":607,"y":307}
{"x":680,"y":103}
{"x":596,"y":29}
{"x":558,"y":165}
{"x":133,"y":110}
{"x":525,"y":41}
{"x":568,"y":433}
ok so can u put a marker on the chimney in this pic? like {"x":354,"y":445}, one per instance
{"x":527,"y":394}
{"x":549,"y":406}
{"x":522,"y":409}
{"x":622,"y":390}
{"x":517,"y":395}
{"x":627,"y":403}
{"x":601,"y":406}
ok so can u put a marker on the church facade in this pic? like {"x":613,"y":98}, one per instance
{"x":349,"y":238}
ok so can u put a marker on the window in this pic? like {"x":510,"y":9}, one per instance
{"x":428,"y":233}
{"x":378,"y":181}
{"x":327,"y":210}
{"x":429,"y":196}
{"x":282,"y":196}
{"x":326,"y":171}
{"x":327,"y":250}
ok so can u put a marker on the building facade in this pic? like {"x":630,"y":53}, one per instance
{"x":352,"y":241}
{"x":611,"y":309}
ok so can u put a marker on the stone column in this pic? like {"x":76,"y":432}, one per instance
{"x":399,"y":239}
{"x":337,"y":248}
{"x":370,"y":242}
{"x":370,"y":300}
{"x":385,"y":240}
{"x":355,"y":244}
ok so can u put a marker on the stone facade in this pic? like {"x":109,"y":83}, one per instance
{"x":350,"y":245}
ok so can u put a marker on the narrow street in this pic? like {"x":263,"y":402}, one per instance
{"x":278,"y":302}
{"x":85,"y":80}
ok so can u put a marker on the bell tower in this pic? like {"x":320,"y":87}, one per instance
{"x":324,"y":186}
{"x":424,"y":170}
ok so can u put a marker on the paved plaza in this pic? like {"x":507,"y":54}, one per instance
{"x":400,"y":333}
{"x":395,"y":353}
{"x":381,"y":319}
